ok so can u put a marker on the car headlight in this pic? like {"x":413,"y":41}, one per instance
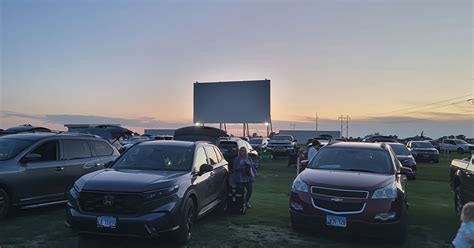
{"x":157,"y":194}
{"x":299,"y":185}
{"x":387,"y":192}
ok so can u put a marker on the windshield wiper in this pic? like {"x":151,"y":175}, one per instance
{"x":360,"y":170}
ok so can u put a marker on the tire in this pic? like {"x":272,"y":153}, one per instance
{"x":297,"y":226}
{"x":399,"y":236}
{"x":458,"y":200}
{"x":436,"y":161}
{"x":184,"y":233}
{"x":460,"y":151}
{"x":4,"y":203}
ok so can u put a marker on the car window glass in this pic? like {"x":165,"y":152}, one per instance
{"x":74,"y":149}
{"x":211,"y":154}
{"x":200,"y":158}
{"x":219,"y":155}
{"x":101,"y":148}
{"x":9,"y":148}
{"x":48,"y":151}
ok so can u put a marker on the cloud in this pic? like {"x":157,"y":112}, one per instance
{"x":142,"y":122}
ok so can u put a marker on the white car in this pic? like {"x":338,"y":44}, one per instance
{"x":456,"y":145}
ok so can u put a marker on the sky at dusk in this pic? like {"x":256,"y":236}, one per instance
{"x":396,"y":67}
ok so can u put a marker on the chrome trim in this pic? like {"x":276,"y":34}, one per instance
{"x":347,"y":190}
{"x":334,"y":212}
{"x":44,"y":204}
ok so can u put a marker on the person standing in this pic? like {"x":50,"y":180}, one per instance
{"x":313,"y":150}
{"x":243,"y":172}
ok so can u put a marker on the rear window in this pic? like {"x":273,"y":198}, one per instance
{"x":400,"y":149}
{"x":228,"y":145}
{"x":9,"y":148}
{"x":421,"y":145}
{"x":353,"y":159}
{"x":101,"y":148}
{"x":75,"y":149}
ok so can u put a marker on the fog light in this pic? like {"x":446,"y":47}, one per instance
{"x":386,"y":216}
{"x":296,"y":206}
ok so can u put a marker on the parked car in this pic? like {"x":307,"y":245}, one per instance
{"x":405,"y":158}
{"x":435,"y":144}
{"x":154,"y":188}
{"x":423,"y":151}
{"x":230,"y":149}
{"x":38,"y":169}
{"x":161,"y":137}
{"x":462,"y":181}
{"x":456,"y":145}
{"x":352,"y":187}
{"x":259,"y":144}
{"x":379,"y":138}
{"x":282,"y":145}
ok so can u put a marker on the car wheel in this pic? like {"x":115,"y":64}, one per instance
{"x":184,"y":232}
{"x":4,"y":203}
{"x":458,"y":200}
{"x":460,"y":151}
{"x":400,"y":235}
{"x":436,"y":161}
{"x":297,"y":226}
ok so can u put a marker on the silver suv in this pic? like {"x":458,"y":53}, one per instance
{"x":38,"y":169}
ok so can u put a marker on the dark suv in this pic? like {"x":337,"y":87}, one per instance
{"x":155,"y":187}
{"x":38,"y":169}
{"x":352,"y":188}
{"x":423,"y":151}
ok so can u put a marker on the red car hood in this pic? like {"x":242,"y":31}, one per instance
{"x":345,"y":179}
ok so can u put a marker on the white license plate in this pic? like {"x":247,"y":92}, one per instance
{"x":280,"y":149}
{"x":337,"y":221}
{"x":106,"y":221}
{"x":426,"y":156}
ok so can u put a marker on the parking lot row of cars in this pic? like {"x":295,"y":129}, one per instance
{"x":162,"y":187}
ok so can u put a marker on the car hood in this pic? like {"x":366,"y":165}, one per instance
{"x":129,"y":180}
{"x":345,"y":179}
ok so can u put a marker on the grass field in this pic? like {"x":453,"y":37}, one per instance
{"x":432,"y":219}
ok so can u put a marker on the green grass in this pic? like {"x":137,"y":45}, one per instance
{"x":431,"y":215}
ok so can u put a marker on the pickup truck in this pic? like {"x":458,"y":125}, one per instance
{"x":462,"y":181}
{"x":456,"y":145}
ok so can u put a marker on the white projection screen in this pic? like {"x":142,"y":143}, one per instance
{"x":232,"y":102}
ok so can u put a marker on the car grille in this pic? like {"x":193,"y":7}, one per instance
{"x":111,"y":203}
{"x":339,"y":207}
{"x":340,"y":193}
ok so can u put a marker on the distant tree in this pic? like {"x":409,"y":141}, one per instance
{"x":451,"y":137}
{"x":461,"y":136}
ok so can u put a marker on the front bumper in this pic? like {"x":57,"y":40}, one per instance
{"x":145,"y":226}
{"x":281,"y":150}
{"x":354,"y":227}
{"x":426,"y":157}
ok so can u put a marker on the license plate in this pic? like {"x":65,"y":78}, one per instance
{"x":426,"y":156}
{"x":280,"y":149}
{"x":337,"y":221}
{"x":107,"y":221}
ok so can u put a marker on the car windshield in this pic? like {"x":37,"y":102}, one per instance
{"x":226,"y":145}
{"x":255,"y":141}
{"x":156,"y":157}
{"x":9,"y":148}
{"x":460,"y":142}
{"x":353,"y":159}
{"x":421,"y":145}
{"x":400,"y":150}
{"x":281,"y":137}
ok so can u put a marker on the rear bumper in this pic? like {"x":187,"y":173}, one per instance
{"x":357,"y":227}
{"x":145,"y":226}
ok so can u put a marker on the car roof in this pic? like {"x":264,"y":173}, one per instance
{"x":35,"y":136}
{"x":170,"y":143}
{"x":422,"y":141}
{"x":361,"y":145}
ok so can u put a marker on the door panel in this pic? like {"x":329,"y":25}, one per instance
{"x":43,"y":178}
{"x":202,"y":183}
{"x":78,"y":161}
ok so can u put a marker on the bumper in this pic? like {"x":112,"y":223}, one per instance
{"x":426,"y":157}
{"x":357,"y":227}
{"x":281,"y":151}
{"x":145,"y":226}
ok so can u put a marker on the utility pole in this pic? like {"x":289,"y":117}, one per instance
{"x":294,"y":126}
{"x":344,"y":125}
{"x":316,"y":121}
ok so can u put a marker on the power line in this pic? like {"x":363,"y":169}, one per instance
{"x":420,"y":106}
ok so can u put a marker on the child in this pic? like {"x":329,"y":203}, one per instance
{"x":465,"y":236}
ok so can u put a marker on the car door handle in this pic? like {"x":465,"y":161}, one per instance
{"x":59,"y":168}
{"x":88,"y":166}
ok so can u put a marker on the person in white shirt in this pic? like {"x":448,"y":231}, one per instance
{"x":313,"y":150}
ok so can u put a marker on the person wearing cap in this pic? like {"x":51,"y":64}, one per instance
{"x":313,"y":150}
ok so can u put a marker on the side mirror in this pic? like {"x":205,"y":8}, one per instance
{"x":108,"y":164}
{"x":205,"y":168}
{"x":32,"y":157}
{"x":405,"y":171}
{"x":295,"y":140}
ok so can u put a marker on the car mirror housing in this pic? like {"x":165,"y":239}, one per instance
{"x":205,"y":168}
{"x":31,"y":157}
{"x":108,"y":164}
{"x":405,"y":171}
